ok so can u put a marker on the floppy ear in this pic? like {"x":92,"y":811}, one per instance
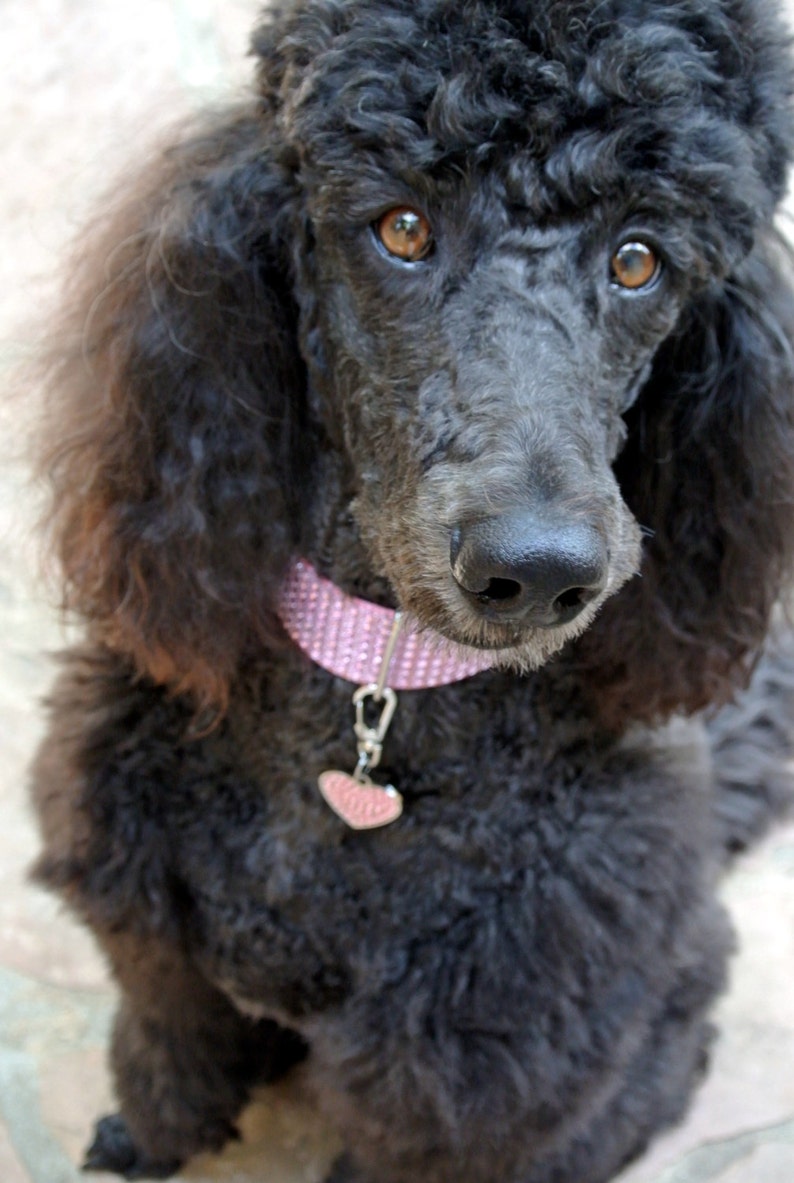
{"x":708,"y":470}
{"x":174,"y":410}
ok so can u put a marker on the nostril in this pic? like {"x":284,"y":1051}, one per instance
{"x":567,"y":606}
{"x":569,"y":599}
{"x":500,"y":590}
{"x":576,"y":597}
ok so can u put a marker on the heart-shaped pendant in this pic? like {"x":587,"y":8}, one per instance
{"x":362,"y":805}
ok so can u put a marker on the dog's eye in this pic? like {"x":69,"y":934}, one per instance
{"x":634,"y":265}
{"x":405,"y":233}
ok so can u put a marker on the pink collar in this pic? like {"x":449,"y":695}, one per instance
{"x":352,"y":638}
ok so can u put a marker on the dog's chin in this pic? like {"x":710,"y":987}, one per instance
{"x":513,"y":647}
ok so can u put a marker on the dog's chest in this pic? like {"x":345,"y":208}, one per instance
{"x":296,"y":916}
{"x":294,"y":909}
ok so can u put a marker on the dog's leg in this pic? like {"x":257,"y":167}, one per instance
{"x":483,"y":1112}
{"x":752,"y":744}
{"x":183,"y":1060}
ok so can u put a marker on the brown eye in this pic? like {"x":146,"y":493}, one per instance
{"x":634,"y":266}
{"x":405,"y":233}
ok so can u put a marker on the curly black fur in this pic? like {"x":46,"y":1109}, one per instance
{"x":511,"y":983}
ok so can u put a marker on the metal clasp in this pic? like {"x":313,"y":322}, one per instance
{"x":370,"y":739}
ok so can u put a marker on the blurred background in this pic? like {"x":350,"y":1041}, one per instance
{"x":84,"y":86}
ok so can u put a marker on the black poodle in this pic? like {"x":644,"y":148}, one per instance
{"x":455,"y":363}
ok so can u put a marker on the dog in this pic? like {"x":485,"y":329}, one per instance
{"x":421,"y":444}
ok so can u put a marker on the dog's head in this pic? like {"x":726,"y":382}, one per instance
{"x":501,"y":275}
{"x":506,"y":208}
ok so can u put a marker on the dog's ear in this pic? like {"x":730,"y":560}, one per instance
{"x":174,"y":408}
{"x":708,"y":471}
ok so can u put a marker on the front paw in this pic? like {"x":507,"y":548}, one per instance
{"x":114,"y":1150}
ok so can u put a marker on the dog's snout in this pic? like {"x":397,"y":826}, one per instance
{"x":525,"y":569}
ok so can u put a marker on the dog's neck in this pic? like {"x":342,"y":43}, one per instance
{"x":366,"y":640}
{"x":345,"y":616}
{"x":366,"y":643}
{"x":330,"y":538}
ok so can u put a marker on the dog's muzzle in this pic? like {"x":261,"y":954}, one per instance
{"x":520,"y":568}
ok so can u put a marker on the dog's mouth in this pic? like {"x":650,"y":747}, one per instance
{"x":515,"y":646}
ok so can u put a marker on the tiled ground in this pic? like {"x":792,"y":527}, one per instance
{"x":81,"y":83}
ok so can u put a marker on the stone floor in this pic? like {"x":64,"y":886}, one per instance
{"x":82,"y":83}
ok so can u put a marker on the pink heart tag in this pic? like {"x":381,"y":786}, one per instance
{"x":361,"y":806}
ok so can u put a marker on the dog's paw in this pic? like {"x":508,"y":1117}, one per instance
{"x":114,"y":1150}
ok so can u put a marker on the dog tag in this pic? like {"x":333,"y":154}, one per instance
{"x":361,"y":805}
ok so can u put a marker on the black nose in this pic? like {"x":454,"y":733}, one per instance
{"x":523,"y":568}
